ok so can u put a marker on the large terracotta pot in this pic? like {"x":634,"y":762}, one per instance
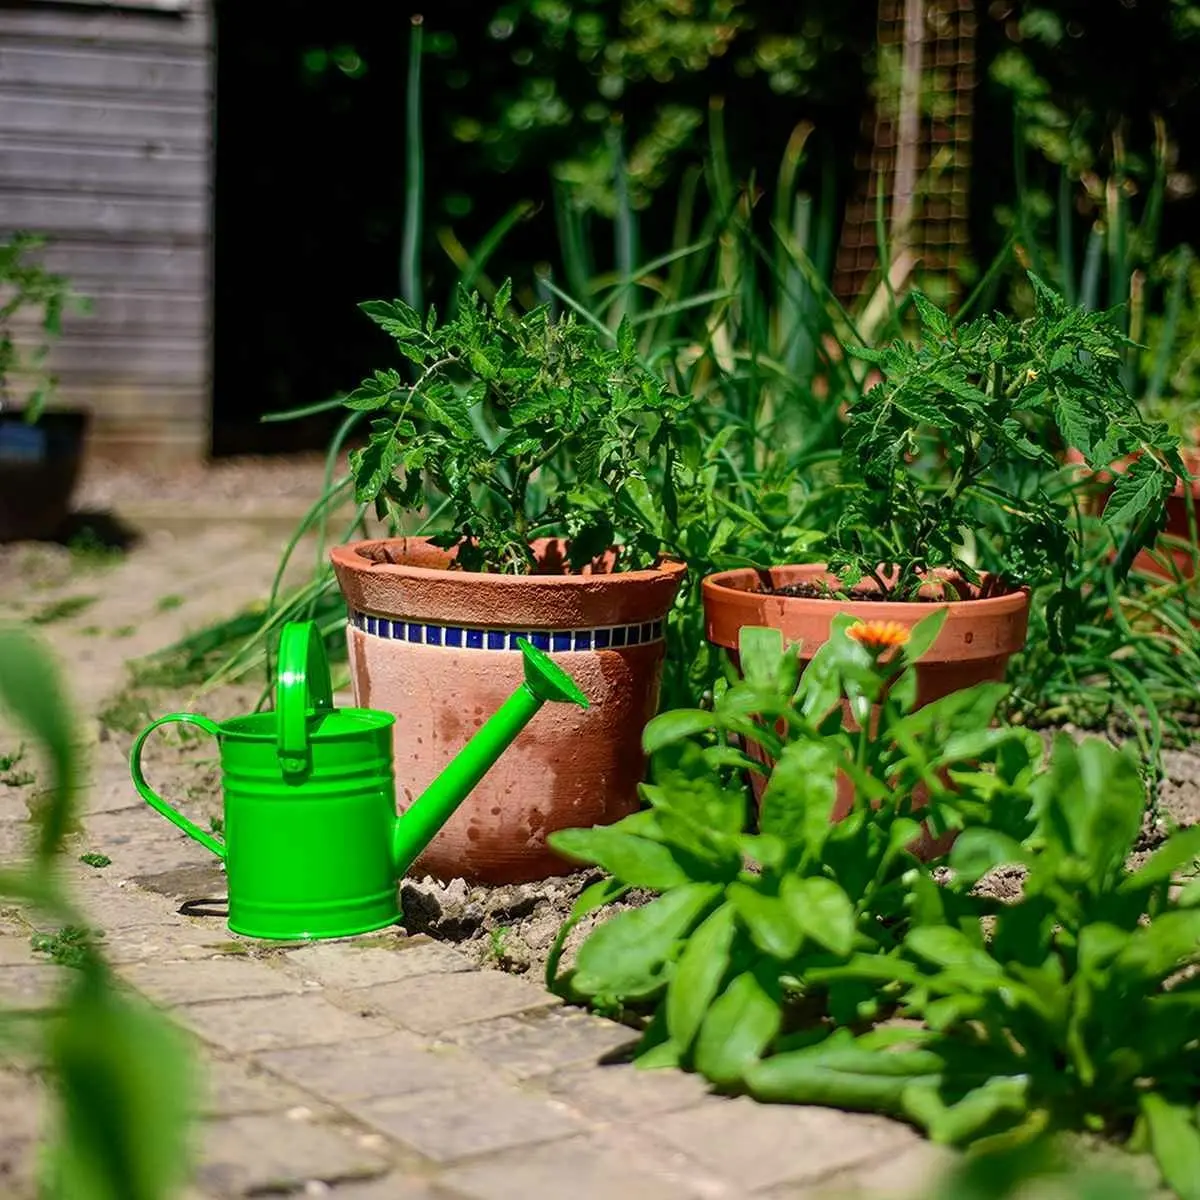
{"x":1178,"y":550}
{"x":437,"y":647}
{"x":981,"y":633}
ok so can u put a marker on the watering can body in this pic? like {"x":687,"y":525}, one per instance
{"x":309,"y":854}
{"x":313,"y":847}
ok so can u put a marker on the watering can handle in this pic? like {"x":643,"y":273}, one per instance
{"x":152,"y":798}
{"x":303,"y":687}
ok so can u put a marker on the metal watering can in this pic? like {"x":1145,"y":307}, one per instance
{"x":313,"y":846}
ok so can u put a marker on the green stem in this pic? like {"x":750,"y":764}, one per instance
{"x":414,"y":183}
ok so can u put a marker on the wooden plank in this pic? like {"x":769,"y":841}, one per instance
{"x":107,"y":27}
{"x":162,"y":6}
{"x":119,"y":171}
{"x":143,"y":316}
{"x":180,"y":126}
{"x":180,"y":359}
{"x":74,"y":68}
{"x":128,"y":398}
{"x":136,"y":218}
{"x":93,"y":265}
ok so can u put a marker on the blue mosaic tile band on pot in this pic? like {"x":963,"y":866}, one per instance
{"x":466,"y":637}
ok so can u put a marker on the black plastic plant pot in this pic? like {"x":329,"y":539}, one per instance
{"x":39,"y":466}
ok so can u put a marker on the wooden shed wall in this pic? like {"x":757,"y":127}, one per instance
{"x":106,"y":150}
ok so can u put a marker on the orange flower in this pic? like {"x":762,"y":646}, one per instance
{"x":879,"y":635}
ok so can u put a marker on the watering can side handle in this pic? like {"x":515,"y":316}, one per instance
{"x":304,"y":686}
{"x":152,"y":798}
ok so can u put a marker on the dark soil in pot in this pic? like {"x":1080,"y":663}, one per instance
{"x":815,"y":591}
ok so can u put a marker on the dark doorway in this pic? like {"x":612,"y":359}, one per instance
{"x":309,"y":191}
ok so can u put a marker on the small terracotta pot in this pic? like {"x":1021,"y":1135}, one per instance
{"x":981,"y":633}
{"x":1185,"y":494}
{"x":437,"y":647}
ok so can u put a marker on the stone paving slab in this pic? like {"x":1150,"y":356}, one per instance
{"x":351,"y":1071}
{"x":281,"y":1152}
{"x":437,"y":1003}
{"x":378,"y":1068}
{"x":452,"y":1124}
{"x":405,"y":958}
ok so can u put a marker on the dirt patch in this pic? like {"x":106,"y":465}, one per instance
{"x":511,"y":928}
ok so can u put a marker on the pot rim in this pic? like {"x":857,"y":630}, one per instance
{"x":722,"y":583}
{"x":728,"y":607}
{"x":349,"y":556}
{"x":440,"y":595}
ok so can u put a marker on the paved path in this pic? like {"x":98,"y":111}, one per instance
{"x":382,"y":1068}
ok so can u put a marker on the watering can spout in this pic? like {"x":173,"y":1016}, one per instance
{"x":544,"y":680}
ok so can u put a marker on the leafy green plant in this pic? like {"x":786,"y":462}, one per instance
{"x":774,"y":961}
{"x":722,"y":955}
{"x":29,"y":288}
{"x":1126,"y":654}
{"x":529,"y":426}
{"x":118,"y":1070}
{"x":1075,"y":1007}
{"x":950,"y":460}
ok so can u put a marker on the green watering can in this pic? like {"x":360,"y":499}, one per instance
{"x":313,"y":846}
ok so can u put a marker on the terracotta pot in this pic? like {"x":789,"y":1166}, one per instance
{"x":980,"y":635}
{"x":437,"y":647}
{"x":1177,"y":529}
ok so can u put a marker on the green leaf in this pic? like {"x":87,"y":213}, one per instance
{"x":626,"y":339}
{"x":675,"y":726}
{"x":945,"y":946}
{"x":1179,"y":850}
{"x":741,"y":1023}
{"x":955,"y":1124}
{"x":372,"y":467}
{"x":633,"y":860}
{"x":1157,"y":950}
{"x":923,"y":409}
{"x":1174,"y":1142}
{"x":759,"y":652}
{"x":373,"y":393}
{"x":932,"y":317}
{"x":837,"y":1073}
{"x":822,"y":910}
{"x":924,"y":633}
{"x":502,"y":299}
{"x":767,"y":919}
{"x":1090,"y":803}
{"x":1138,"y":490}
{"x":978,"y":850}
{"x":797,"y":803}
{"x":593,"y":897}
{"x":31,"y":691}
{"x":1075,"y":422}
{"x":626,"y":957}
{"x":397,"y":318}
{"x":124,"y":1092}
{"x":697,"y":976}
